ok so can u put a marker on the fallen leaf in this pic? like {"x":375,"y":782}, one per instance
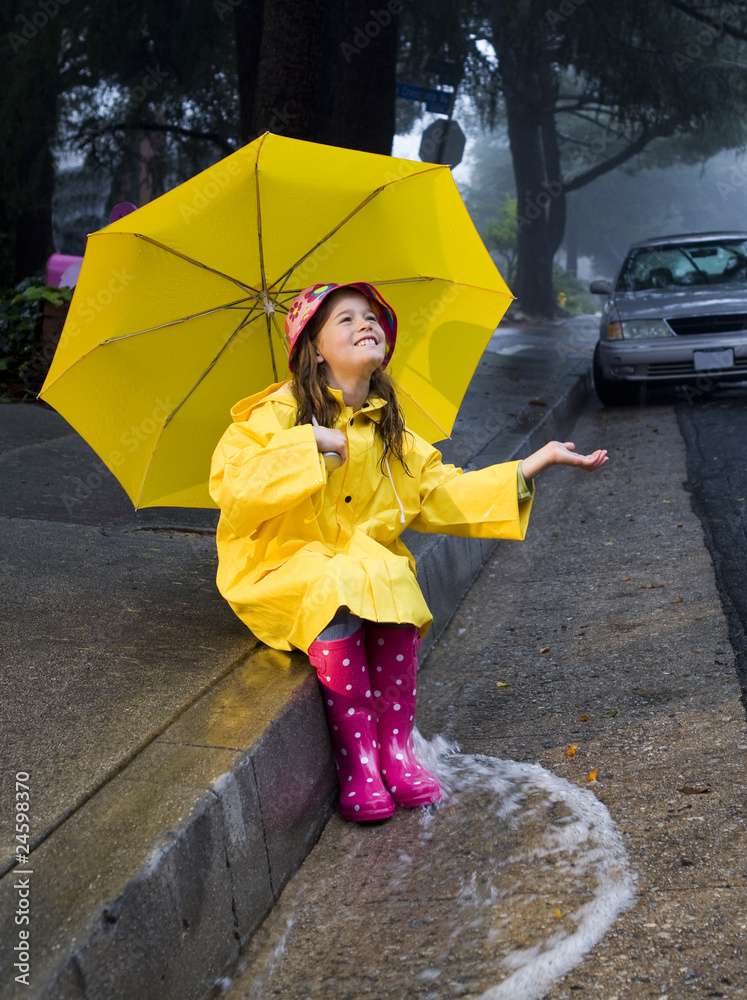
{"x":678,"y":600}
{"x":650,"y":586}
{"x":592,"y":775}
{"x":694,"y":789}
{"x":679,"y":524}
{"x":612,"y":712}
{"x":544,"y":649}
{"x":557,"y":912}
{"x":570,"y":750}
{"x":502,"y":684}
{"x":627,"y":578}
{"x":536,"y":401}
{"x":584,"y":717}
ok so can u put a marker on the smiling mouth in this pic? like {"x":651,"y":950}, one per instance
{"x":366,"y":341}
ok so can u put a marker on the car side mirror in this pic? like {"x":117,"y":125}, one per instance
{"x":600,"y":286}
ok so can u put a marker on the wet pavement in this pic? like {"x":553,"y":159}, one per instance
{"x":583,"y":711}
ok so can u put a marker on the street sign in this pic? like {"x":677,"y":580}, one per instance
{"x":439,"y":101}
{"x":443,"y":142}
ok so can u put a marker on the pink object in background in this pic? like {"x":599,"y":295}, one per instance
{"x":62,"y":270}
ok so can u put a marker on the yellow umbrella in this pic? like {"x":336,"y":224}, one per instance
{"x":179,"y":306}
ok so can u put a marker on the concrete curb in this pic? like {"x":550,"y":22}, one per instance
{"x":156,"y":883}
{"x":152,"y":886}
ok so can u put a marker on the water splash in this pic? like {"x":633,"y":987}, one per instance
{"x":554,"y":822}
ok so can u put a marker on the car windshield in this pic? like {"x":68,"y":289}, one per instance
{"x":678,"y":265}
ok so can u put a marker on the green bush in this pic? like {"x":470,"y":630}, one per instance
{"x":20,"y":333}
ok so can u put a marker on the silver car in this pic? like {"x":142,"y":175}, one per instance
{"x":677,"y":313}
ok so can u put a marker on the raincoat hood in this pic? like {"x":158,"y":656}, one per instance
{"x":243,"y":407}
{"x":282,"y":392}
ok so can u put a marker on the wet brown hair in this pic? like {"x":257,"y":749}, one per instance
{"x":309,"y":386}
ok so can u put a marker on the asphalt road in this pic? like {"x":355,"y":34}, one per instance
{"x":584,"y":713}
{"x":715,"y":431}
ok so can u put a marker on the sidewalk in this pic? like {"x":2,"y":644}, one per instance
{"x":169,"y":801}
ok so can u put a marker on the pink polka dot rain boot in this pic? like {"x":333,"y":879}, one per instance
{"x":393,"y":665}
{"x":342,"y":670}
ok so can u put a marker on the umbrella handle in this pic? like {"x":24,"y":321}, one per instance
{"x":332,"y":459}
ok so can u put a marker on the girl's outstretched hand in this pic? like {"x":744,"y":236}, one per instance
{"x":563,"y":453}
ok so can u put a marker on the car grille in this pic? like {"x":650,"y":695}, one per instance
{"x":687,"y":368}
{"x":729,"y":323}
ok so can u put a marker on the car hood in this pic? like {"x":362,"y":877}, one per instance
{"x":669,"y":303}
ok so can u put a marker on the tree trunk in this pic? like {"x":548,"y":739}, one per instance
{"x":33,"y":85}
{"x":571,"y":245}
{"x":289,"y":71}
{"x":359,"y":74}
{"x":534,"y":284}
{"x":247,"y":21}
{"x":529,"y":94}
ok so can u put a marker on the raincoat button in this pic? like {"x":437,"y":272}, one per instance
{"x":348,"y":499}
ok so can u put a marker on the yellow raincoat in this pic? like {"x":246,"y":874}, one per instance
{"x":295,"y":543}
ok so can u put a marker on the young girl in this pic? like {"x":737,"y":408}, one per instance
{"x":310,"y":556}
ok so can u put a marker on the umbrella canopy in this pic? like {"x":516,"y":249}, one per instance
{"x":178,"y":310}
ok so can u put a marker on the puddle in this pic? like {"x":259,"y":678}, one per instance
{"x":495,"y":892}
{"x":566,"y":878}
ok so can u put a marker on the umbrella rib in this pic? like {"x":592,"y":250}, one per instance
{"x":244,"y":322}
{"x":259,"y":226}
{"x":292,"y":292}
{"x":269,"y":344}
{"x":281,"y":335}
{"x":423,"y":277}
{"x":183,"y":256}
{"x":172,"y":322}
{"x":137,"y":333}
{"x":349,"y":216}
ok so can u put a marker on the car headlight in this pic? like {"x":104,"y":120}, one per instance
{"x":642,"y":329}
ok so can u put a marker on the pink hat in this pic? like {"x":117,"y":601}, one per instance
{"x":306,"y":303}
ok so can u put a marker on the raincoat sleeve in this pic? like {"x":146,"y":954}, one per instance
{"x":482,"y":503}
{"x":260,"y":469}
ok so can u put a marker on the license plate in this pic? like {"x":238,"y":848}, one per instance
{"x":706,"y":360}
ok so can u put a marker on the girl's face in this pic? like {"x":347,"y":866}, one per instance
{"x":351,"y":340}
